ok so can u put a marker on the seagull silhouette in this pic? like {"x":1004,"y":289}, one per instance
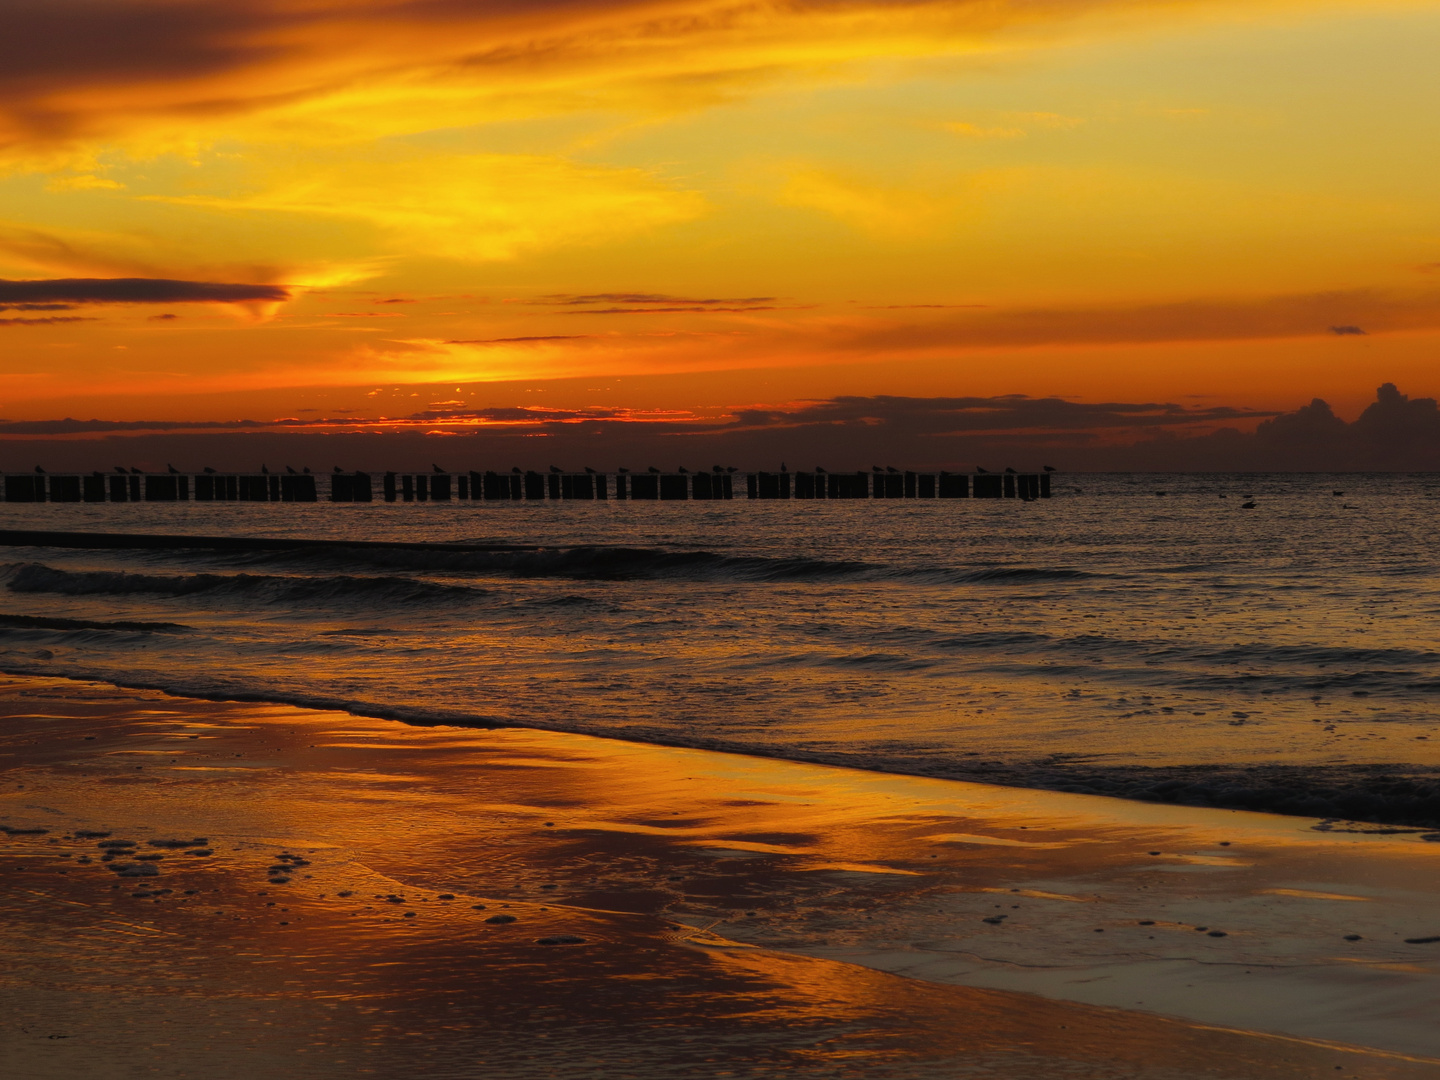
{"x":980,"y":470}
{"x":1048,"y":468}
{"x":437,"y":468}
{"x":683,"y":469}
{"x":653,"y":469}
{"x":291,"y":471}
{"x":211,"y":471}
{"x":556,"y":469}
{"x":39,"y":470}
{"x":172,"y":469}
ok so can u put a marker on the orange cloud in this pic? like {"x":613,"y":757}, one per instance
{"x":105,"y":69}
{"x":1354,"y":312}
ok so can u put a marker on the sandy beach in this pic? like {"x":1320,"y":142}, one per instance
{"x":311,"y":893}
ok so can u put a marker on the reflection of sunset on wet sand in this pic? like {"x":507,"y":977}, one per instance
{"x":668,"y":910}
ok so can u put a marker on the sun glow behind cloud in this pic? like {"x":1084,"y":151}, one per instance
{"x":1075,"y":189}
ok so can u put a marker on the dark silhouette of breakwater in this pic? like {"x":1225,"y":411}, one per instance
{"x":517,"y":486}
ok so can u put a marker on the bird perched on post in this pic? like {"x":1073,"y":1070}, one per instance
{"x":783,"y":468}
{"x":717,"y":469}
{"x":136,"y":472}
{"x":437,"y":468}
{"x":556,"y":469}
{"x":590,"y":471}
{"x":1048,"y":468}
{"x":516,"y":470}
{"x":653,"y":469}
{"x":291,"y":471}
{"x":307,"y":470}
{"x":337,"y":470}
{"x":1008,"y":469}
{"x":122,"y":472}
{"x":683,"y":469}
{"x":622,"y":470}
{"x":173,"y":470}
{"x":211,"y":471}
{"x":818,"y":469}
{"x":264,"y":471}
{"x":876,"y":468}
{"x":891,"y":469}
{"x":39,"y":470}
{"x":980,"y":470}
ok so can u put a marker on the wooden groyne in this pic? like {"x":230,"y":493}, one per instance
{"x":517,"y":486}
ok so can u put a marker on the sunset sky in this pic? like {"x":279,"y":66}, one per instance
{"x":365,"y":208}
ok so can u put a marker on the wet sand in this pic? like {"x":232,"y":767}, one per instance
{"x":376,"y":899}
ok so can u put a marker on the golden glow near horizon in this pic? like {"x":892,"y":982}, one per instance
{"x":1092,"y":198}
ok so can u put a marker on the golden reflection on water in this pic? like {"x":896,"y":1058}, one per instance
{"x":663,"y":864}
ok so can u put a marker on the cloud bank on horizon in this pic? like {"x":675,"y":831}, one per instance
{"x":1394,"y":432}
{"x":1100,"y":200}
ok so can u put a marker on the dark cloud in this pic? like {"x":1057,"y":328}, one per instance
{"x":49,"y":321}
{"x":667,"y":310}
{"x":70,"y":426}
{"x":519,"y":340}
{"x":1343,"y":331}
{"x":135,"y":291}
{"x":37,"y":307}
{"x":574,"y":299}
{"x":167,"y":317}
{"x":1394,"y":433}
{"x":1016,"y":412}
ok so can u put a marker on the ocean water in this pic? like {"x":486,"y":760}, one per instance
{"x":1173,"y":647}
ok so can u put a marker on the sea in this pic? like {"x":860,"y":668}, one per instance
{"x":1263,"y":642}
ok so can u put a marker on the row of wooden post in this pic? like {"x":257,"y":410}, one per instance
{"x":514,"y":486}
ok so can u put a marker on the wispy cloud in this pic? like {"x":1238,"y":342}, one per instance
{"x":50,"y":321}
{"x":1297,"y":315}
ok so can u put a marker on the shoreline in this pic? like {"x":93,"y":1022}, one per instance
{"x":846,"y":876}
{"x":1345,"y":794}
